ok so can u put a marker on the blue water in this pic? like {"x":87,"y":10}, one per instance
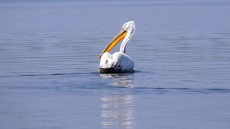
{"x":49,"y":68}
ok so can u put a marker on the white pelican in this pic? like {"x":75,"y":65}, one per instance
{"x":119,"y":62}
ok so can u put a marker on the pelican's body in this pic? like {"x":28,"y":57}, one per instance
{"x":118,"y":62}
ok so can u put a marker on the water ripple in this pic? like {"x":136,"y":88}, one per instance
{"x":161,"y":90}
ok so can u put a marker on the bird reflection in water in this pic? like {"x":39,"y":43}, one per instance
{"x":117,"y":110}
{"x":120,"y":80}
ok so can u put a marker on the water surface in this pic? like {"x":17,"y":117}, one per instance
{"x":49,"y":68}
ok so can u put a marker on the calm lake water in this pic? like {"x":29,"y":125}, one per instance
{"x":49,"y":68}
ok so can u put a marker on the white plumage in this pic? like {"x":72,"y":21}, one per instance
{"x":118,"y":62}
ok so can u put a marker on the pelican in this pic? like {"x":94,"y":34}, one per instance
{"x":118,"y":62}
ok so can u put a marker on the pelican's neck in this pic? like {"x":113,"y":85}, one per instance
{"x":125,"y":40}
{"x":123,"y":46}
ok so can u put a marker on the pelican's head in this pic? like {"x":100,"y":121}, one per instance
{"x":125,"y":34}
{"x":129,"y":26}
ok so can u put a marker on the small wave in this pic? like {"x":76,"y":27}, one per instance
{"x":181,"y":90}
{"x":79,"y":73}
{"x":57,"y":74}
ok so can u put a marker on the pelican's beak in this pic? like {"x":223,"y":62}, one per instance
{"x":114,"y":42}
